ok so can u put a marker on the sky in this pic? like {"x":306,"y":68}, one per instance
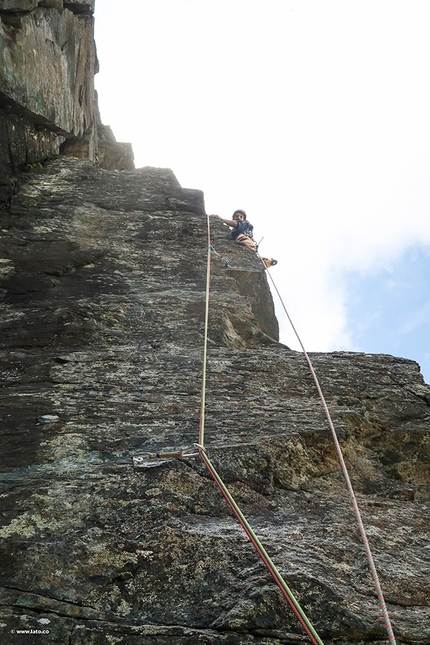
{"x":313,"y":117}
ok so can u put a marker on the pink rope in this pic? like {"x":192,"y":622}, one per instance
{"x":348,"y":481}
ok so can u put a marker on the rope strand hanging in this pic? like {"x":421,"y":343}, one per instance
{"x":347,"y":478}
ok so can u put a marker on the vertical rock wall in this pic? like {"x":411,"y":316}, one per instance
{"x":47,"y":67}
{"x":102,"y":300}
{"x":102,"y":284}
{"x":47,"y":100}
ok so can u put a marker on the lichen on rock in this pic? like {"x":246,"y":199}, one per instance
{"x":103,"y":280}
{"x":48,"y":105}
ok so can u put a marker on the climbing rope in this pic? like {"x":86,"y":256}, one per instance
{"x":205,"y":338}
{"x":347,"y":478}
{"x":285,"y":590}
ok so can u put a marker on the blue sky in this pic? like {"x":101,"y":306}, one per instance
{"x":313,"y":117}
{"x":388,"y":311}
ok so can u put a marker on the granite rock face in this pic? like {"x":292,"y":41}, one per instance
{"x":103,"y":278}
{"x":48,"y":105}
{"x":48,"y":64}
{"x":47,"y":68}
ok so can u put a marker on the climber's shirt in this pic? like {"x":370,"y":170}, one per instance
{"x":243,"y":228}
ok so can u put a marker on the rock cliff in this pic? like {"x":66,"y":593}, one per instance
{"x":47,"y":100}
{"x":103,"y":291}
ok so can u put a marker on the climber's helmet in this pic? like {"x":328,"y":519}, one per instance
{"x":239,"y":212}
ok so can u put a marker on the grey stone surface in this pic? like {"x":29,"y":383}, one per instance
{"x":103,"y":291}
{"x":47,"y":66}
{"x":48,"y":105}
{"x":115,"y":155}
{"x":23,"y":142}
{"x":18,"y":6}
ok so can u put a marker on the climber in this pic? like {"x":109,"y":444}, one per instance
{"x":242,"y":233}
{"x":241,"y":229}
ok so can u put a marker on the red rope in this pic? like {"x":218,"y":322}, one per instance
{"x":257,"y":546}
